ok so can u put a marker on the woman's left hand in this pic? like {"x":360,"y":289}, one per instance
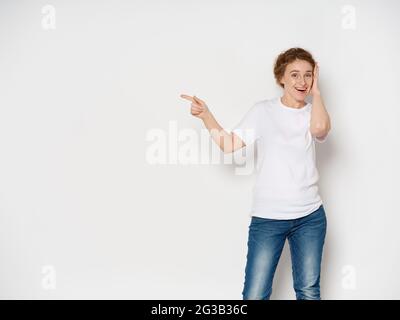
{"x":314,"y":88}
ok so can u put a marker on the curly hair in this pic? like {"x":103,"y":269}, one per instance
{"x":288,"y":57}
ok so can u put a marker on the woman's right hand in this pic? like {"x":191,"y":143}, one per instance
{"x":199,"y":108}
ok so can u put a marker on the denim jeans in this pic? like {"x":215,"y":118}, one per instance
{"x":266,"y":239}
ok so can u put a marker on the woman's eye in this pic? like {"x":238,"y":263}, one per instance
{"x":308,"y":75}
{"x":294,"y":75}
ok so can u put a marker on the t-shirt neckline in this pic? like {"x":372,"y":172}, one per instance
{"x":284,"y":107}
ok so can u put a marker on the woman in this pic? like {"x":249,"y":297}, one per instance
{"x":286,"y":201}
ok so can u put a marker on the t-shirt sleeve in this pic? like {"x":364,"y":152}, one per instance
{"x":248,"y":129}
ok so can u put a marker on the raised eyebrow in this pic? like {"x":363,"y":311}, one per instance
{"x":299,"y":71}
{"x":308,"y":71}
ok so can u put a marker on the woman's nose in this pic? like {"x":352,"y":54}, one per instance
{"x":301,"y":81}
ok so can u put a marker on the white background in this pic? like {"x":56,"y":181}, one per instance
{"x":83,"y":214}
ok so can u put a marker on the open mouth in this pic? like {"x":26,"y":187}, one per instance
{"x":301,"y":90}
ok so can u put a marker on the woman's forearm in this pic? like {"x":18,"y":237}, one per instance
{"x":320,"y":123}
{"x":226,"y":141}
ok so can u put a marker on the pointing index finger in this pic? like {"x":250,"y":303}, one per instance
{"x":185,"y":96}
{"x":199,"y":101}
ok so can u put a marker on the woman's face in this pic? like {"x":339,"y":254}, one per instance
{"x":297,"y":79}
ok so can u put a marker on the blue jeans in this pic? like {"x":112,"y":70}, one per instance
{"x":266,"y":239}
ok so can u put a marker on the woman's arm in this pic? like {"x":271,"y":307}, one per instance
{"x":228,"y":142}
{"x":320,"y":123}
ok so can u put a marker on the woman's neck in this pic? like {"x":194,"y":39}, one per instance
{"x":289,"y":101}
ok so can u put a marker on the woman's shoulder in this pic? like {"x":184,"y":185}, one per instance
{"x":265,"y":104}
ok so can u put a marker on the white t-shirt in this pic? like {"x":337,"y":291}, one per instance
{"x":286,"y":183}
